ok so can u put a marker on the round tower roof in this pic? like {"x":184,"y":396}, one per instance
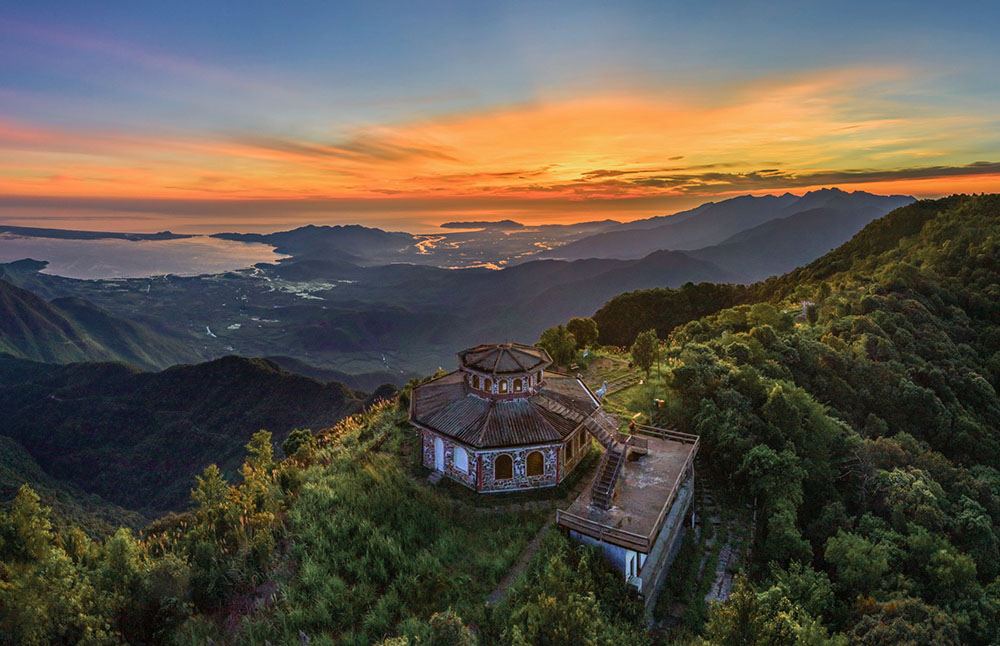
{"x":504,"y":358}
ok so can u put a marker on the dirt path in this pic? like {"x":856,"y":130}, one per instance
{"x":522,"y":562}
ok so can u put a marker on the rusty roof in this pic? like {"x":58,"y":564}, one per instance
{"x":447,"y":406}
{"x":504,"y":358}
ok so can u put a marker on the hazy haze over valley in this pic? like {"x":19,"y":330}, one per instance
{"x":360,"y":300}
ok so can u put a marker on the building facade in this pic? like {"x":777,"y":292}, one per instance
{"x":502,"y":422}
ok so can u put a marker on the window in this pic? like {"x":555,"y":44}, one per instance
{"x":475,"y":381}
{"x":536,"y":463}
{"x":518,"y":385}
{"x":489,"y":386}
{"x":538,"y":377}
{"x":569,"y":449}
{"x":502,"y":385}
{"x":503,"y":468}
{"x":461,"y":459}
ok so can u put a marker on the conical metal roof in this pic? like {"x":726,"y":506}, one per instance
{"x":504,"y":358}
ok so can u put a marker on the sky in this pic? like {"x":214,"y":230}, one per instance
{"x":261,"y":116}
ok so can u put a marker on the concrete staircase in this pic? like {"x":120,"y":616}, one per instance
{"x":604,"y":428}
{"x":608,"y":477}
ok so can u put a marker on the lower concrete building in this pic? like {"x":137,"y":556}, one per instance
{"x":637,"y":520}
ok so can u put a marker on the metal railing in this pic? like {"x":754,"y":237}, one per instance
{"x":666,"y":434}
{"x":602,"y":532}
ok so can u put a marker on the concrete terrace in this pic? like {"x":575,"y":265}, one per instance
{"x":640,"y":507}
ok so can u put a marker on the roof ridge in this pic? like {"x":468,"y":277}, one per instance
{"x":514,"y":357}
{"x":480,"y":440}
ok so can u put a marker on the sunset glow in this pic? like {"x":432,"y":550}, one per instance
{"x":242,"y":143}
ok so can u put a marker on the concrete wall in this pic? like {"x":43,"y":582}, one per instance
{"x":655,"y":569}
{"x":619,"y":557}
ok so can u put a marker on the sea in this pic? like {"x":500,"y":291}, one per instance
{"x":115,"y":258}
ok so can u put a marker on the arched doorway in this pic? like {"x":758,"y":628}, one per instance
{"x":438,"y":454}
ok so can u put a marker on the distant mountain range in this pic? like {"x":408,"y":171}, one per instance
{"x":351,"y":242}
{"x":714,"y":223}
{"x":69,"y":234}
{"x":346,"y":307}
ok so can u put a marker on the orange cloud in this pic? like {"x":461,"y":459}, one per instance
{"x":642,"y":148}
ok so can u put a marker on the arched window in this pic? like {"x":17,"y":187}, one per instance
{"x":475,"y":381}
{"x":461,"y":459}
{"x":518,"y":385}
{"x":502,"y":385}
{"x":536,"y":463}
{"x":489,"y":386}
{"x":503,"y":467}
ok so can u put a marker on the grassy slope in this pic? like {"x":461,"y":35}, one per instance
{"x":373,"y":550}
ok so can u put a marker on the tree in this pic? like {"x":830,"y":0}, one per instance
{"x":906,"y":621}
{"x":805,"y":587}
{"x":743,"y":621}
{"x":297,"y":439}
{"x":448,"y":629}
{"x":861,"y":564}
{"x":646,"y":351}
{"x":767,"y":618}
{"x":45,"y":598}
{"x":584,"y":330}
{"x":559,"y":343}
{"x":30,"y":532}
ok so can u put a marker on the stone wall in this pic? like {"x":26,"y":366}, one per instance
{"x":521,"y":480}
{"x":450,"y":470}
{"x":578,"y":454}
{"x":552,"y":472}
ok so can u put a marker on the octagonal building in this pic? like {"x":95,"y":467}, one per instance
{"x":501,"y":422}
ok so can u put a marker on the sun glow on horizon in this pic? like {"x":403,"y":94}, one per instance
{"x":262,"y":146}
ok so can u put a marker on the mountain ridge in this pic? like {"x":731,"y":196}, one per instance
{"x":712,"y":224}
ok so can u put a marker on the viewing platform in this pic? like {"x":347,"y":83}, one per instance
{"x":638,"y":529}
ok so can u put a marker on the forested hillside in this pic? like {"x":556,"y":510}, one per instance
{"x":868,"y":434}
{"x":73,"y":329}
{"x":138,"y":438}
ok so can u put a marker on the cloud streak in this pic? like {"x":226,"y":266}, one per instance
{"x":634,"y":152}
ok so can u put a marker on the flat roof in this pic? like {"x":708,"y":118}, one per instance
{"x":649,"y":487}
